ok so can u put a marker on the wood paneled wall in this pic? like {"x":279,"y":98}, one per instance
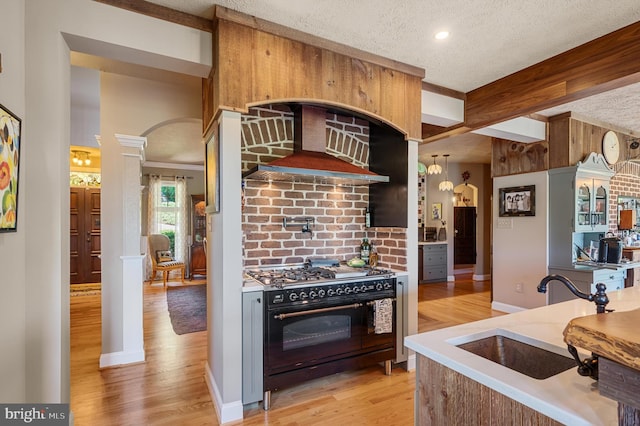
{"x":253,"y":67}
{"x":512,"y":158}
{"x":444,"y":396}
{"x":571,"y":139}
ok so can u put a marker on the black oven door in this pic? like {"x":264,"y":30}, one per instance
{"x":308,"y":335}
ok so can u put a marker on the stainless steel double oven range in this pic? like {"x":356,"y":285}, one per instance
{"x":320,"y":319}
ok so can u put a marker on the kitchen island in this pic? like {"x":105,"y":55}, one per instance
{"x":564,"y":398}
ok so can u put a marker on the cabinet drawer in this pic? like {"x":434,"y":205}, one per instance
{"x":431,"y":259}
{"x":434,"y":248}
{"x":436,"y":273}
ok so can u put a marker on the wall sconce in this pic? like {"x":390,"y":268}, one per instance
{"x":80,"y":158}
{"x":446,"y":184}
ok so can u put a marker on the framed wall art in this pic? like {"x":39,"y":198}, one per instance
{"x":436,"y":211}
{"x":10,"y":131}
{"x":212,"y":173}
{"x":517,"y":201}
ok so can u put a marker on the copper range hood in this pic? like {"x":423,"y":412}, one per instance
{"x":309,"y":161}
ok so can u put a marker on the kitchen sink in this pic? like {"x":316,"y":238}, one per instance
{"x":525,"y":358}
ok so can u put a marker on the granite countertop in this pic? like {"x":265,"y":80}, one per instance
{"x":565,"y":397}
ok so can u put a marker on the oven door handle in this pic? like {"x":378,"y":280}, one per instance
{"x":317,"y":311}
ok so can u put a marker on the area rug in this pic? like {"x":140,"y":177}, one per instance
{"x":91,"y":289}
{"x":187,"y":308}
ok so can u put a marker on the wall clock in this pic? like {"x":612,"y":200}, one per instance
{"x":610,"y":147}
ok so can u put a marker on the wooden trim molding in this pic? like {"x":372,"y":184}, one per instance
{"x":441,"y":90}
{"x":162,"y":12}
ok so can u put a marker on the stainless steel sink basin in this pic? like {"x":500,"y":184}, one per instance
{"x":522,"y":357}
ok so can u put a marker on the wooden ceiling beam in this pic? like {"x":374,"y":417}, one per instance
{"x":608,"y":62}
{"x":161,"y":12}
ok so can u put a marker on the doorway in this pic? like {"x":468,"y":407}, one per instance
{"x":84,"y":226}
{"x":464,"y":241}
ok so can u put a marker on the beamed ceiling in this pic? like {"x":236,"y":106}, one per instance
{"x":490,"y":56}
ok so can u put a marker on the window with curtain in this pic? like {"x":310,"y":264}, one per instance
{"x":168,"y":212}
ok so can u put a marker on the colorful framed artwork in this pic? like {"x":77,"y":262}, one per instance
{"x":517,"y":201}
{"x":212,"y":173}
{"x":10,"y":131}
{"x":436,"y":211}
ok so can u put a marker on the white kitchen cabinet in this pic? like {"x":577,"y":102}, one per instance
{"x":578,"y":203}
{"x":585,"y":280}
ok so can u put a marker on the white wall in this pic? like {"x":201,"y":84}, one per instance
{"x":520,"y":248}
{"x":13,"y":304}
{"x":85,"y":106}
{"x":35,"y":83}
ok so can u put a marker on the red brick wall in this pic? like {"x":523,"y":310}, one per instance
{"x":338,"y":211}
{"x":626,"y":182}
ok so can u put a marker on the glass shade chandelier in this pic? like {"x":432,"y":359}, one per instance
{"x":80,"y":158}
{"x":434,"y":169}
{"x":446,"y":184}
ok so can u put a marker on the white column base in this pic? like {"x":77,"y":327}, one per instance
{"x":120,"y":358}
{"x":226,"y":412}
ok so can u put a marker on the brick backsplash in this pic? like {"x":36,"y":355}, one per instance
{"x":626,"y":182}
{"x":338,"y":211}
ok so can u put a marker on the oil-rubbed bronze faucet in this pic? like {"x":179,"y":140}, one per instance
{"x":599,"y":298}
{"x":588,"y":367}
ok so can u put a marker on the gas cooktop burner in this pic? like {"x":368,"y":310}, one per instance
{"x":280,"y":277}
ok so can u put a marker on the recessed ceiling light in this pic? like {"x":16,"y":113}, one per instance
{"x":442,"y":35}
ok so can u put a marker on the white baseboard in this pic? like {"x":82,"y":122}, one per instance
{"x":226,"y":412}
{"x":503,"y":307}
{"x":120,"y":358}
{"x":484,"y":277}
{"x":451,"y":278}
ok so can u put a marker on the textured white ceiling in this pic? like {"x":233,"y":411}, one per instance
{"x":489,"y":40}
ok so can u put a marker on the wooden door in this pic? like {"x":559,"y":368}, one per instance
{"x":464,"y":242}
{"x":84,"y":244}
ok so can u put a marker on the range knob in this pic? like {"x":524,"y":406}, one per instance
{"x":330,"y":292}
{"x":293,"y":297}
{"x":363,"y":288}
{"x":379,"y":286}
{"x":347,"y":290}
{"x":356,"y":289}
{"x":313,"y":294}
{"x":303,"y":295}
{"x":387,"y":285}
{"x":321,"y":293}
{"x":339,"y":291}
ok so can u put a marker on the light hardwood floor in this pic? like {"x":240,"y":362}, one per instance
{"x":169,"y":388}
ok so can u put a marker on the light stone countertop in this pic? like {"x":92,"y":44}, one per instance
{"x":566,"y":397}
{"x":428,"y":243}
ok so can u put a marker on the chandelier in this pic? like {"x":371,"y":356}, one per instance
{"x":80,"y":158}
{"x":446,"y":184}
{"x":434,"y":169}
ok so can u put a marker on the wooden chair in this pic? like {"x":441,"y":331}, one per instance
{"x":159,"y":243}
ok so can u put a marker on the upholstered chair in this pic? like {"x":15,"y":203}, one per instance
{"x":161,"y":258}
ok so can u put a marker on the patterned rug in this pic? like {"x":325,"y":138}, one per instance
{"x":90,"y":289}
{"x":187,"y":308}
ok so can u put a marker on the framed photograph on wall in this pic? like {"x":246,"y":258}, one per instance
{"x":436,"y":211}
{"x":517,"y":201}
{"x":212,"y":172}
{"x":10,"y":141}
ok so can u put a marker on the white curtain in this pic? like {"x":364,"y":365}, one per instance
{"x":154,"y":199}
{"x":181,"y":219}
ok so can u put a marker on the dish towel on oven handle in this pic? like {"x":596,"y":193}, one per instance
{"x":383,"y":316}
